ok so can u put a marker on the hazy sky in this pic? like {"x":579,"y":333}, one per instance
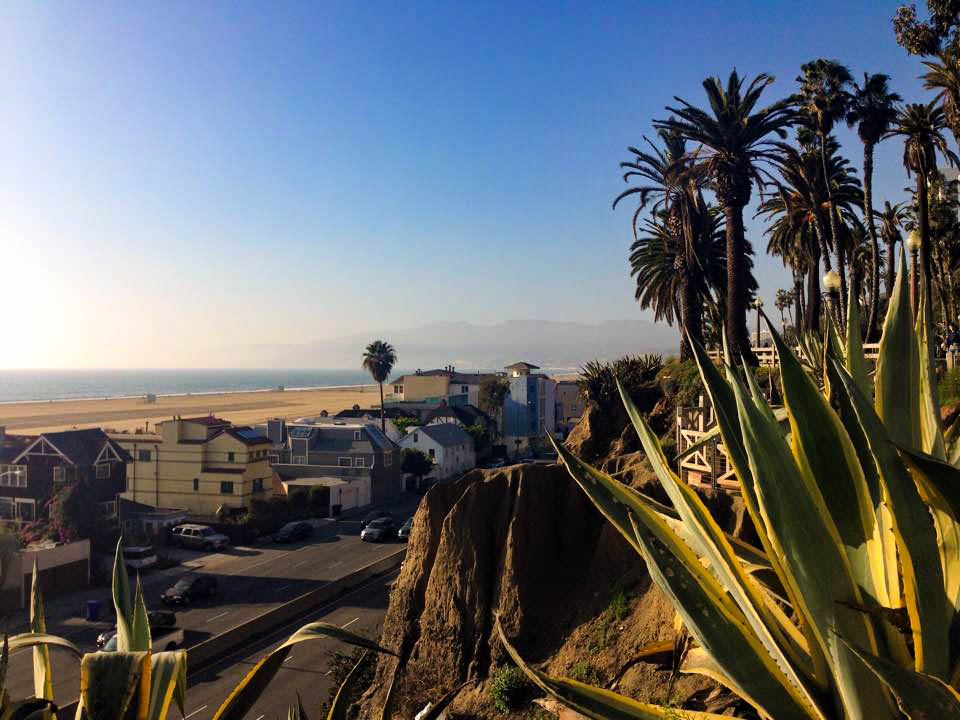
{"x":179,"y":177}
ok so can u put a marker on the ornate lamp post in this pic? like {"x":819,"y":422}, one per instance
{"x":831,"y":281}
{"x":758,"y":303}
{"x":913,"y":244}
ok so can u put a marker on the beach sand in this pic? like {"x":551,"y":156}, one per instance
{"x":242,"y":408}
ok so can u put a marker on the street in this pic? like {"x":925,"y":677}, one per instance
{"x":251,"y":581}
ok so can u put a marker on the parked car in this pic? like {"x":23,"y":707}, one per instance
{"x":292,"y":531}
{"x":495,"y":463}
{"x":190,"y":588}
{"x":403,"y":533}
{"x":199,"y":537}
{"x":139,"y":558}
{"x":378,"y":530}
{"x":375,"y":515}
{"x":160,"y":622}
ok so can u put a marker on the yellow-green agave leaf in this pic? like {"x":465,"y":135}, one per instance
{"x":31,"y":639}
{"x":113,"y":683}
{"x":121,"y":601}
{"x":855,"y":361}
{"x":168,"y":681}
{"x":436,"y":710}
{"x":341,"y":701}
{"x":140,"y":628}
{"x":42,"y":669}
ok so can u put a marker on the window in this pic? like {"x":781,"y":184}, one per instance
{"x":398,"y":389}
{"x":357,"y":435}
{"x":26,"y":510}
{"x":346,"y":462}
{"x":257,"y":484}
{"x":433,"y":455}
{"x":226,"y":488}
{"x":108,"y":508}
{"x":358,"y":462}
{"x":13,"y":476}
{"x":143,"y":456}
{"x":299,"y":460}
{"x":416,"y":437}
{"x":388,"y":458}
{"x":230,"y":457}
{"x":274,"y":457}
{"x":103,"y":471}
{"x":58,"y":474}
{"x":196,"y":484}
{"x":7,"y":510}
{"x":464,"y":389}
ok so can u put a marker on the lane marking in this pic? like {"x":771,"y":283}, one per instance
{"x":187,"y":717}
{"x":261,"y":717}
{"x":349,"y":623}
{"x":282,"y":587}
{"x":218,"y":616}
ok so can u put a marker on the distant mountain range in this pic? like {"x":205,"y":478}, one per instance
{"x":465,"y":345}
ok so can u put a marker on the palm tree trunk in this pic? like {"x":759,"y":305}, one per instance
{"x":889,"y":277}
{"x":874,"y":245}
{"x":797,"y":300}
{"x":691,"y":320}
{"x":832,"y":210}
{"x":844,"y":292}
{"x":924,"y":207}
{"x":813,"y":293}
{"x":941,"y":285}
{"x":383,"y":412}
{"x":736,"y":315}
{"x":814,"y":284}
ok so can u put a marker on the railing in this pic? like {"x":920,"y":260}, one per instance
{"x":767,"y":356}
{"x":708,"y":466}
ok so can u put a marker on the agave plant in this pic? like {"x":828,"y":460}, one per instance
{"x":849,"y":607}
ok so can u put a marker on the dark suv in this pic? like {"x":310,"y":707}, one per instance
{"x":190,"y":588}
{"x":375,"y":515}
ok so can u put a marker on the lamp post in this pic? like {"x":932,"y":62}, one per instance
{"x":913,"y":244}
{"x":831,"y":281}
{"x":758,"y":303}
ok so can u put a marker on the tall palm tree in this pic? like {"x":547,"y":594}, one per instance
{"x":783,"y":301}
{"x":734,"y":136}
{"x":944,"y":76}
{"x":824,"y":98}
{"x":891,"y":220}
{"x":379,"y":359}
{"x":873,"y":109}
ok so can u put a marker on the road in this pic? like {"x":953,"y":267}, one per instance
{"x":251,"y":581}
{"x":304,"y":671}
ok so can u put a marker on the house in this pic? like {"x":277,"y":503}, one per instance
{"x":33,"y":469}
{"x":434,"y":386}
{"x":447,"y":444}
{"x":205,"y":465}
{"x":569,"y":405}
{"x":368,"y":416}
{"x":529,"y":411}
{"x":355,"y":458}
{"x":461,"y":415}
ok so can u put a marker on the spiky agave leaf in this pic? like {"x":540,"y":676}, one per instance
{"x":115,"y":685}
{"x":42,"y":669}
{"x":341,"y":701}
{"x":436,"y":711}
{"x":122,"y":604}
{"x":168,"y":681}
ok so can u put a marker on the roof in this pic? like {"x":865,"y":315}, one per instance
{"x":389,"y":413}
{"x":312,"y":481}
{"x":82,"y":447}
{"x":341,"y":438}
{"x":13,"y":445}
{"x":522,"y":366}
{"x":446,"y":434}
{"x":247,"y":435}
{"x":208,"y":420}
{"x":466,"y":414}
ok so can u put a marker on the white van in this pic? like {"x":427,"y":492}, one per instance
{"x":139,"y":558}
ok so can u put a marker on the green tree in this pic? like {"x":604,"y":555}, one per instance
{"x":943,"y":75}
{"x":493,"y":392}
{"x":379,"y":359}
{"x":873,"y":109}
{"x":73,"y":513}
{"x":415,"y":462}
{"x":402,"y":423}
{"x":938,"y":33}
{"x":782,"y":303}
{"x":735,"y":139}
{"x":481,"y":436}
{"x":891,"y":220}
{"x":319,"y":500}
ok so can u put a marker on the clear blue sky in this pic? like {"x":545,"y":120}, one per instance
{"x":178,"y":176}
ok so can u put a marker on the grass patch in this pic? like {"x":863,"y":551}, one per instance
{"x":617,"y":611}
{"x":584,"y":672}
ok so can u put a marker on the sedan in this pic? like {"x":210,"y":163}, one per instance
{"x":190,"y":588}
{"x":379,"y":530}
{"x":293,"y":531}
{"x":404,"y":532}
{"x":159,"y":620}
{"x":375,"y":515}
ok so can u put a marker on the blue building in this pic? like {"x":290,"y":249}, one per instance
{"x":529,"y":411}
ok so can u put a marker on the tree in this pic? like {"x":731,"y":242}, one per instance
{"x":481,"y":436}
{"x":928,"y":38}
{"x":73,"y":513}
{"x":735,"y":146}
{"x":493,"y":391}
{"x":402,"y":423}
{"x":319,"y":500}
{"x":823,"y":98}
{"x":891,"y":220}
{"x":379,"y":359}
{"x":415,"y":462}
{"x":873,"y":109}
{"x":783,"y":301}
{"x":943,"y":75}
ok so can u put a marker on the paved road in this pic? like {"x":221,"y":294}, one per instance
{"x":251,"y":582}
{"x":304,"y":671}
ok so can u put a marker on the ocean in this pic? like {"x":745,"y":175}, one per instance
{"x":43,"y":385}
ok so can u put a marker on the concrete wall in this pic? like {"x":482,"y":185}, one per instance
{"x":63,"y":569}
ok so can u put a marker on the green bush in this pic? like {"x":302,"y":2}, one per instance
{"x":583,"y":671}
{"x":681,"y":382}
{"x":319,"y":501}
{"x":508,"y":688}
{"x":636,"y":372}
{"x":949,"y":386}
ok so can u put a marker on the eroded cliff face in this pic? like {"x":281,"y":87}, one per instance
{"x":523,"y":543}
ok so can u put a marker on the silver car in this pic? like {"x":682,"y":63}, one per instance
{"x":198,"y":537}
{"x":379,"y":530}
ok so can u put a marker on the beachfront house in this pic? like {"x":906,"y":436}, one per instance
{"x":569,"y":406}
{"x":529,"y":411}
{"x":355,"y":461}
{"x":34,"y":468}
{"x":447,"y":444}
{"x":204,"y":465}
{"x":436,"y":386}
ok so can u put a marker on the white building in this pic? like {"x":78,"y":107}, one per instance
{"x":448,"y":445}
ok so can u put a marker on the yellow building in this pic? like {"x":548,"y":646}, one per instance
{"x":202,"y":465}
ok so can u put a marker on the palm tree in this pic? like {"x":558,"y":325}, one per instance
{"x":736,"y":146}
{"x":944,"y":76}
{"x":379,"y":359}
{"x":784,"y":300}
{"x":873,"y":109}
{"x":891,"y":220}
{"x":824,"y":98}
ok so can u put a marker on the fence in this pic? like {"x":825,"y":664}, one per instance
{"x":767,"y":356}
{"x":708,"y":465}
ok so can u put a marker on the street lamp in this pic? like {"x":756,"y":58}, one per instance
{"x":758,"y":303}
{"x":831,"y":281}
{"x":913,"y":244}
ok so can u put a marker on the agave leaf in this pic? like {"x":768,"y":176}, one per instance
{"x":812,"y":553}
{"x":897,"y":387}
{"x":707,"y":610}
{"x":595,"y":702}
{"x":29,"y":709}
{"x":436,"y":711}
{"x":757,"y":394}
{"x":168,"y":681}
{"x":782,"y":640}
{"x":297,"y":712}
{"x":914,"y":534}
{"x":930,"y":429}
{"x":918,"y":695}
{"x":31,"y":639}
{"x":341,"y":701}
{"x":140,"y":628}
{"x":42,"y":669}
{"x":121,"y":601}
{"x":249,"y":690}
{"x":856,"y":362}
{"x":113,"y":683}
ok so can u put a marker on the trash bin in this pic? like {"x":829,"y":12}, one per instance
{"x":335,"y":511}
{"x":93,"y":610}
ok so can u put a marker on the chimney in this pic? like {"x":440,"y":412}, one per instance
{"x":3,"y":433}
{"x":275,"y":427}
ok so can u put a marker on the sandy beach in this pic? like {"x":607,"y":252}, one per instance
{"x":242,"y":408}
